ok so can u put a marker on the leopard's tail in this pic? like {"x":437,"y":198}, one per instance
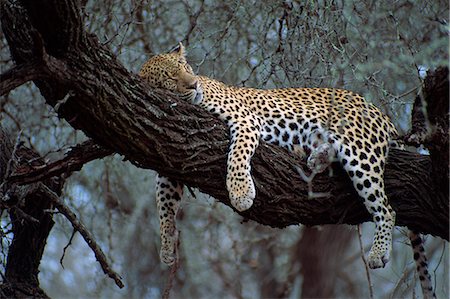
{"x":421,"y":265}
{"x":420,"y":258}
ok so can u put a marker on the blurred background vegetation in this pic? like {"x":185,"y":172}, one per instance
{"x":380,"y":49}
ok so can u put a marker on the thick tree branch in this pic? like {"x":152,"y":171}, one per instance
{"x":18,"y":75}
{"x":155,"y":130}
{"x":30,"y":224}
{"x":430,"y":124}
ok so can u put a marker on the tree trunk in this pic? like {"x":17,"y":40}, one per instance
{"x":430,"y":124}
{"x":95,"y":93}
{"x":31,"y":225}
{"x":320,"y":252}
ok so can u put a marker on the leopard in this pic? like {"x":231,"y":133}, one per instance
{"x":324,"y":124}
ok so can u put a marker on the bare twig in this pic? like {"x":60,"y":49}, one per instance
{"x":9,"y":166}
{"x":365,"y":262}
{"x":402,"y":280}
{"x":309,"y":179}
{"x":64,"y":100}
{"x":87,"y":236}
{"x":67,"y":246}
{"x":439,"y":262}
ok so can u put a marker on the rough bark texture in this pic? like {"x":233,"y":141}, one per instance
{"x":96,"y":94}
{"x":73,"y":161}
{"x":31,"y":225}
{"x":430,"y":123}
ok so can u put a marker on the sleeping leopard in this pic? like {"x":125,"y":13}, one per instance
{"x":325,"y":124}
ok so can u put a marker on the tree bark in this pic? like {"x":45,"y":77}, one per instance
{"x":91,"y":90}
{"x":31,"y":225}
{"x":430,"y":123}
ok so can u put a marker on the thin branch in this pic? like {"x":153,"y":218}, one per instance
{"x":403,"y":280}
{"x":73,"y":161}
{"x":361,"y":247}
{"x":11,"y":160}
{"x":87,"y":236}
{"x":439,"y":263}
{"x":67,"y":246}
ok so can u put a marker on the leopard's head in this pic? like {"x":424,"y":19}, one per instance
{"x":171,"y":71}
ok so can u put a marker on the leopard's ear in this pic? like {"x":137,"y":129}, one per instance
{"x":180,"y":51}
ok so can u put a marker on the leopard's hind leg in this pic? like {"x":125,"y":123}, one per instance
{"x":365,"y":167}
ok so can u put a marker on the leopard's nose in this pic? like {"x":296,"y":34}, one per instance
{"x":192,"y":85}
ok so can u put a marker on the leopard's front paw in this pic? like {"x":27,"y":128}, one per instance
{"x":242,"y":192}
{"x":378,"y":258}
{"x":382,"y":245}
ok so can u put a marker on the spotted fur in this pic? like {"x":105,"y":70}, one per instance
{"x":168,"y":197}
{"x":323,"y":123}
{"x":421,"y":265}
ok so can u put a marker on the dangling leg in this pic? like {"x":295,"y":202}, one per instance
{"x":168,"y":197}
{"x":366,"y":172}
{"x":421,"y":265}
{"x":384,"y":218}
